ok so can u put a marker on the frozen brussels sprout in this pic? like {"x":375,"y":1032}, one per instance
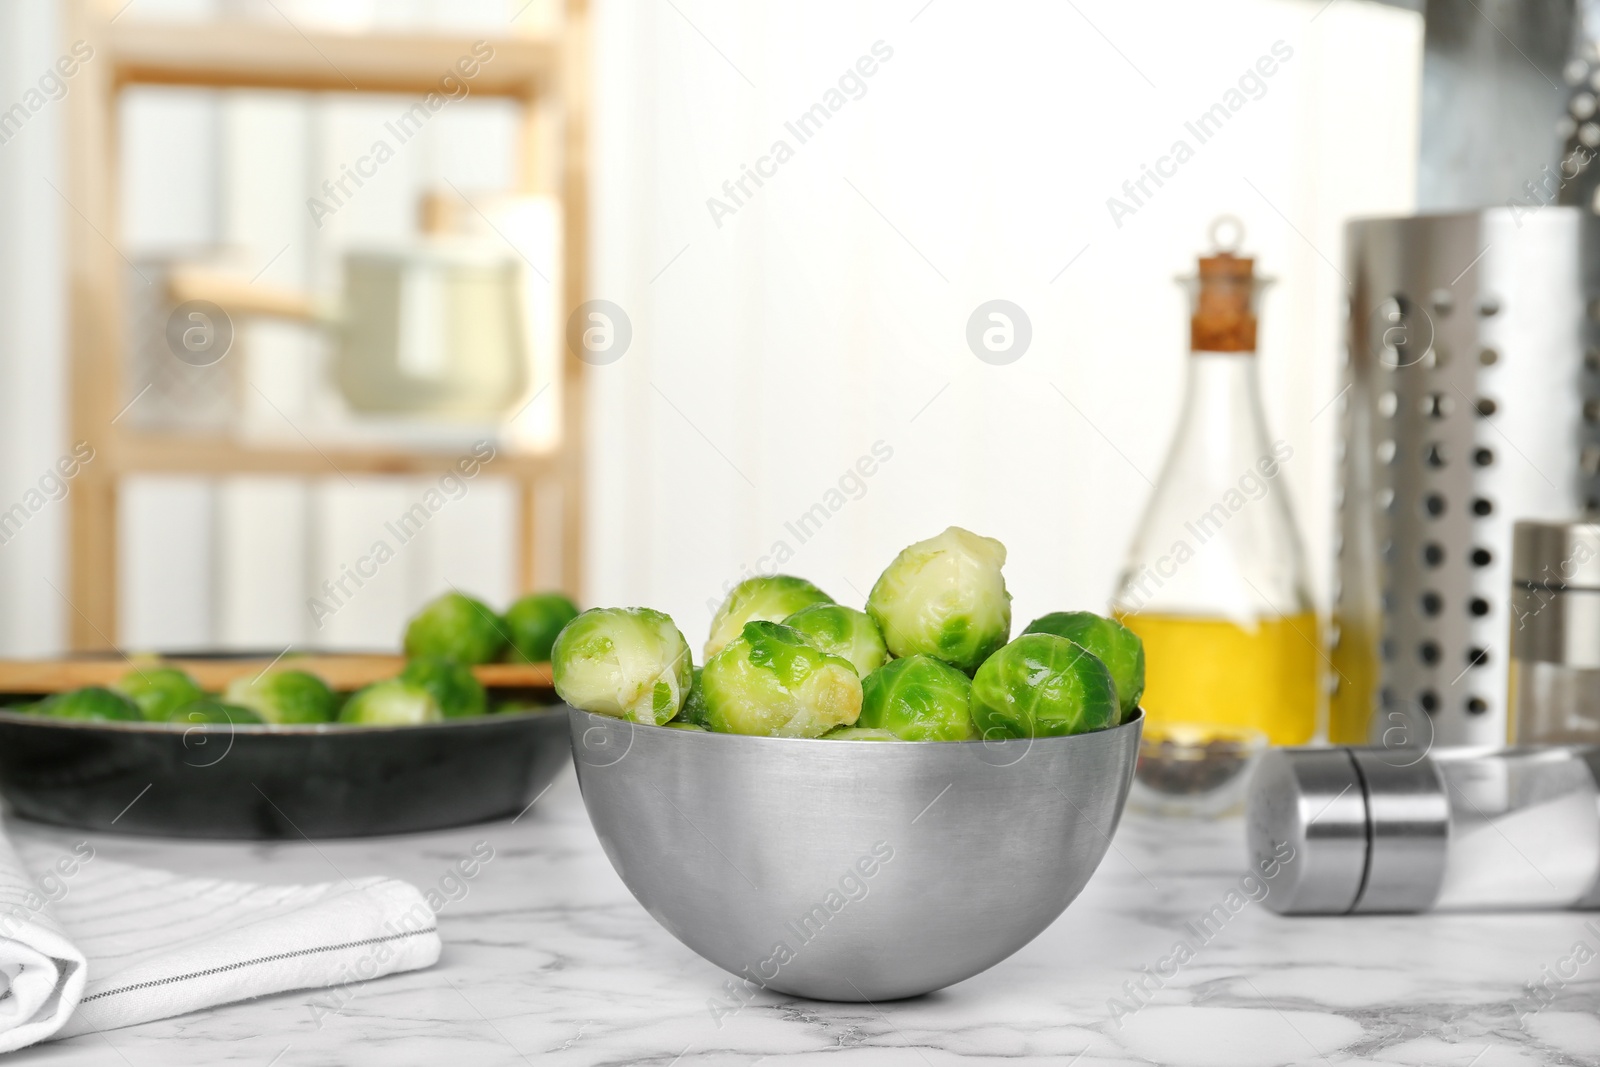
{"x":210,"y":710}
{"x":772,"y":681}
{"x":1118,"y":647}
{"x":918,"y":699}
{"x":391,"y":703}
{"x":858,"y":733}
{"x":284,"y":697}
{"x":945,"y":598}
{"x":767,"y":599}
{"x":92,"y":702}
{"x":455,"y":627}
{"x":843,"y":632}
{"x":454,"y":687}
{"x":631,"y":663}
{"x":1041,"y":685}
{"x":159,"y":691}
{"x":532,"y":624}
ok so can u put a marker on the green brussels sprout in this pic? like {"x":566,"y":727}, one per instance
{"x":454,"y":687}
{"x":533,"y":623}
{"x":284,"y":697}
{"x":391,"y":703}
{"x":159,"y":691}
{"x":679,"y":724}
{"x":694,"y":705}
{"x":1112,"y":643}
{"x":771,"y":681}
{"x":1041,"y":685}
{"x":631,"y":663}
{"x":946,"y":598}
{"x":859,"y":733}
{"x":766,"y":599}
{"x":212,"y":710}
{"x":843,"y":632}
{"x":918,"y":699}
{"x":93,"y":702}
{"x":456,"y":627}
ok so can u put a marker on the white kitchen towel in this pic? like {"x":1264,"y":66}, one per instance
{"x":89,"y":944}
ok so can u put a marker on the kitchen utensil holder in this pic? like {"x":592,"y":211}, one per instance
{"x":1470,"y":398}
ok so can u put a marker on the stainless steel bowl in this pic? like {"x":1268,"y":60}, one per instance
{"x":856,"y":871}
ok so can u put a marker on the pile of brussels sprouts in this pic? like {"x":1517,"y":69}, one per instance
{"x":930,"y":659}
{"x":442,"y":643}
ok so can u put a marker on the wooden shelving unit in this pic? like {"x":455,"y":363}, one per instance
{"x":547,"y":75}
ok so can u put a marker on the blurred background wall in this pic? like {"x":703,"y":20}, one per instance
{"x":778,"y":336}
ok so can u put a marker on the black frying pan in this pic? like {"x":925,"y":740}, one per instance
{"x":325,"y":780}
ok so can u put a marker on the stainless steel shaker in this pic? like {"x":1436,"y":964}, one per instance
{"x":1359,"y":830}
{"x":1554,"y":679}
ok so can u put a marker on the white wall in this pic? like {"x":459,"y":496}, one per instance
{"x":828,"y":312}
{"x":33,"y":427}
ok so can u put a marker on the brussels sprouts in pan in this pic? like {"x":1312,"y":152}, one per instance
{"x":843,"y":632}
{"x":769,"y":599}
{"x":1041,"y":685}
{"x":456,"y":627}
{"x":631,"y":663}
{"x":532,"y":624}
{"x":93,"y":703}
{"x":945,"y":597}
{"x":918,"y":699}
{"x":284,"y":697}
{"x":453,"y":686}
{"x":771,"y":681}
{"x":159,"y":691}
{"x":210,"y":710}
{"x":1118,"y":647}
{"x":391,"y":703}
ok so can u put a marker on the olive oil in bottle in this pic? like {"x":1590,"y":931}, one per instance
{"x":1215,"y":582}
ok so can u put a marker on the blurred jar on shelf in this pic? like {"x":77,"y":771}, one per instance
{"x":1215,"y":581}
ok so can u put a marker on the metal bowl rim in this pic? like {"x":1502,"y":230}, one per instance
{"x":1136,"y":720}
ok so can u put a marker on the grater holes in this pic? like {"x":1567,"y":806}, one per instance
{"x":1388,"y":648}
{"x":1488,"y":357}
{"x":1433,"y":554}
{"x":1443,"y":301}
{"x":1386,"y":452}
{"x":1434,"y":504}
{"x":1428,"y":652}
{"x":1488,"y":307}
{"x":1385,"y":499}
{"x":1486,"y":407}
{"x":1482,"y":557}
{"x":1437,"y":406}
{"x":1476,"y":705}
{"x":1477,"y":657}
{"x":1483,"y":507}
{"x":1429,"y":701}
{"x":1434,"y":455}
{"x":1478,"y":606}
{"x":1388,"y":404}
{"x":1483,"y":457}
{"x":1432,"y":603}
{"x":1591,"y":410}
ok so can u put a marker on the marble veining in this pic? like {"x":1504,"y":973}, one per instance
{"x":547,"y":958}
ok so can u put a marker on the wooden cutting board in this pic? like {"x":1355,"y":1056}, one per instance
{"x":340,"y":672}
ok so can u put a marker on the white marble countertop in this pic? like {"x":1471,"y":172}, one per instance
{"x":548,"y":958}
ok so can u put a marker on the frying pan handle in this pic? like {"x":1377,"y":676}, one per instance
{"x":241,"y":298}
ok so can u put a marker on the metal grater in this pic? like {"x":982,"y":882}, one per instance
{"x":1466,"y":405}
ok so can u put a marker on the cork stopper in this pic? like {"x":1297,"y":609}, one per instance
{"x":1224,"y":318}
